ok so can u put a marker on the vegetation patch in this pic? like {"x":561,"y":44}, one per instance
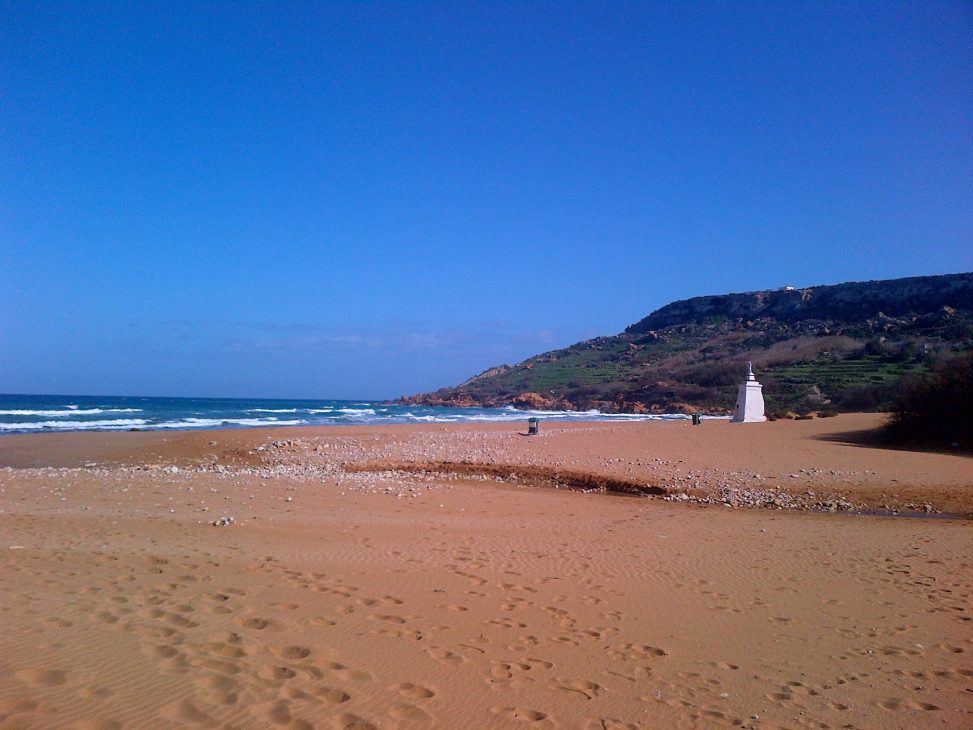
{"x":937,"y":410}
{"x":850,"y":347}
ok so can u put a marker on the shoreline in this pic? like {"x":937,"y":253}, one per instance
{"x":58,"y":414}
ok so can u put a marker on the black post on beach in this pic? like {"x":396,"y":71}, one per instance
{"x":697,"y":419}
{"x":532,"y":426}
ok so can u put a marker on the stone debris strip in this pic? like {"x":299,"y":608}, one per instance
{"x":292,"y":463}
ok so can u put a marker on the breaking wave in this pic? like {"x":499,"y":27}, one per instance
{"x":32,"y":414}
{"x":110,"y":425}
{"x":71,"y":412}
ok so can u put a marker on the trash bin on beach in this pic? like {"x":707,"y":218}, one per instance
{"x":532,"y":426}
{"x":697,"y":419}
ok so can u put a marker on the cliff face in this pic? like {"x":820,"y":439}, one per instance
{"x":828,"y":347}
{"x":853,"y":302}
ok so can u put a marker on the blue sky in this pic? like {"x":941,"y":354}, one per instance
{"x":361,"y":200}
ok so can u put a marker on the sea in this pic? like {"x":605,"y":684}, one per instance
{"x":58,"y":413}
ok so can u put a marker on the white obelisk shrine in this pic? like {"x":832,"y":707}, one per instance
{"x":750,"y":400}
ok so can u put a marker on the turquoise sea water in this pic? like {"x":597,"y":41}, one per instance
{"x":40,"y":413}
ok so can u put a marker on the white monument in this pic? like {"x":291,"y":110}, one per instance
{"x":750,"y":400}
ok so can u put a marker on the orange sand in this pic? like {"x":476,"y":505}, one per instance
{"x":397,"y":600}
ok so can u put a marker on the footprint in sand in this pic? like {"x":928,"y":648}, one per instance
{"x":896,"y":704}
{"x":387,"y":617}
{"x":292,"y":652}
{"x":220,"y":690}
{"x":521,"y":714}
{"x":181,"y":621}
{"x":583,"y":687}
{"x":720,"y":715}
{"x":639,"y":651}
{"x":444,"y":655}
{"x":413,"y":691}
{"x":348,"y":721}
{"x":411,"y":714}
{"x":278,"y":713}
{"x":506,"y":623}
{"x":332,"y":695}
{"x":44,"y":677}
{"x":608,"y":723}
{"x":347,"y":674}
{"x":217,"y":665}
{"x":222,"y":649}
{"x":164,"y":651}
{"x":258,"y":624}
{"x":277,"y":673}
{"x":185,"y":712}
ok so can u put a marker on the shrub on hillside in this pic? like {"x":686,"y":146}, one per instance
{"x":873,"y":397}
{"x":715,"y":374}
{"x":937,"y":410}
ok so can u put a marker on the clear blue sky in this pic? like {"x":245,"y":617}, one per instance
{"x":369,"y":199}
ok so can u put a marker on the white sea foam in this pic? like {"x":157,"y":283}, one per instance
{"x":552,"y":414}
{"x":509,"y":414}
{"x":191,"y":415}
{"x":262,"y":422}
{"x":189,"y":423}
{"x":118,"y":423}
{"x":75,"y":411}
{"x":216,"y":422}
{"x":598,"y":415}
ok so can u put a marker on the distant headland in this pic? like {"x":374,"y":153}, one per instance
{"x":846,"y":347}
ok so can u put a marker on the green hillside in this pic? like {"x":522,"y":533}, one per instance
{"x":844,"y":347}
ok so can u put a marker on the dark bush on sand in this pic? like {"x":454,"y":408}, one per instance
{"x":937,"y":410}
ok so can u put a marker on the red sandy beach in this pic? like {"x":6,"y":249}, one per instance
{"x":409,"y":577}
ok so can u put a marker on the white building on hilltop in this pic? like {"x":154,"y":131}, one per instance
{"x":750,"y":400}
